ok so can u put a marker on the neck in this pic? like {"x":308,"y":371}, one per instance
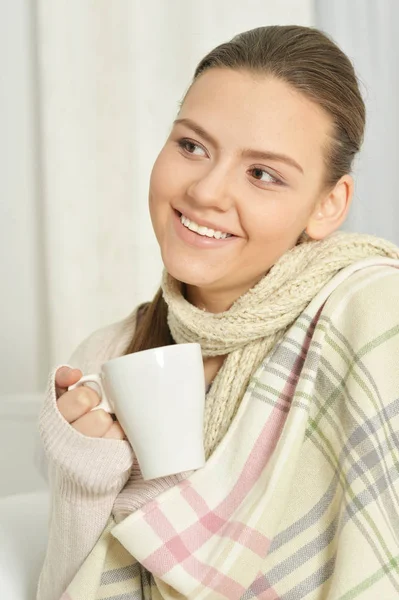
{"x":212,"y":303}
{"x":214,"y":300}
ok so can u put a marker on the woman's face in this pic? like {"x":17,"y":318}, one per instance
{"x":244,"y":157}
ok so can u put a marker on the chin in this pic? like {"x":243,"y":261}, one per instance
{"x":191,"y":272}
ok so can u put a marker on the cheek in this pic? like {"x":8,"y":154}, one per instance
{"x":274,"y":219}
{"x":159,"y":187}
{"x":157,"y":175}
{"x":163,"y":180}
{"x":163,"y":189}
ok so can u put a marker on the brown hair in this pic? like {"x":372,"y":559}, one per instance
{"x":308,"y":60}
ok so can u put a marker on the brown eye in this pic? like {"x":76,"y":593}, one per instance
{"x":263,"y":176}
{"x":257,"y":173}
{"x":191,"y":147}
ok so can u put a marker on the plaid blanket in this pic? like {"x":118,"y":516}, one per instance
{"x":301,"y":498}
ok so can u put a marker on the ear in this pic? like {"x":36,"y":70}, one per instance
{"x":331,"y":210}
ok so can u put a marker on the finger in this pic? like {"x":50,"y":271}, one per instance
{"x":115,"y":432}
{"x":65,"y":377}
{"x":94,"y":424}
{"x":74,"y":404}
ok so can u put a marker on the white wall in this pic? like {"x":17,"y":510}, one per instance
{"x":23,"y":338}
{"x":23,"y":349}
{"x":368,"y":33}
{"x":21,"y":460}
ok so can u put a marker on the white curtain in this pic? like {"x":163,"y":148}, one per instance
{"x":368,"y":31}
{"x":111,"y":75}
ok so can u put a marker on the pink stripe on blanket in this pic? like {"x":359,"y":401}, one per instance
{"x":65,"y":596}
{"x":177,"y":548}
{"x":213,"y":523}
{"x":206,"y":575}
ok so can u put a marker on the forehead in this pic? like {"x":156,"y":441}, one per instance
{"x":243,"y":110}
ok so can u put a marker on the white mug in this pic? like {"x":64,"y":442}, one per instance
{"x":158,"y":396}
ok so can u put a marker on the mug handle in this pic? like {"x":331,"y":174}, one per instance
{"x":96,"y":379}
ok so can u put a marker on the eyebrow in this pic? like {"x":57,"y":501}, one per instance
{"x":246,"y":152}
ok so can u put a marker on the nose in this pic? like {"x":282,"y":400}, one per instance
{"x":212,"y":189}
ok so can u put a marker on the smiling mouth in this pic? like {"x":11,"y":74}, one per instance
{"x":202,"y":230}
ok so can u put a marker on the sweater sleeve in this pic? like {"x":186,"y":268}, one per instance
{"x":85,"y":474}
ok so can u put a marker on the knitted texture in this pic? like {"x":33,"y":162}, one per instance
{"x":258,"y":319}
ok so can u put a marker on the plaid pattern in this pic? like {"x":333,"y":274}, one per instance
{"x":301,"y":498}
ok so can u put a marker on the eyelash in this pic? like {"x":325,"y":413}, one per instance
{"x":182,"y":143}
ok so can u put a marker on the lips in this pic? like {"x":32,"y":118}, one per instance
{"x":195,"y":240}
{"x":202,"y":223}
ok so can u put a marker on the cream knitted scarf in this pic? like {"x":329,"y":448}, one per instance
{"x":248,"y":331}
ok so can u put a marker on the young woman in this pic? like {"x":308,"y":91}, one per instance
{"x":299,"y":329}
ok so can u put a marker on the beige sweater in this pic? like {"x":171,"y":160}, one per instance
{"x":89,"y":477}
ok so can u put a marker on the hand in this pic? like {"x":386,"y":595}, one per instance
{"x":76,"y":407}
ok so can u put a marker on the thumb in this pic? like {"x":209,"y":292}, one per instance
{"x":65,"y":376}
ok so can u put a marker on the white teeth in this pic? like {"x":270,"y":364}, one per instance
{"x":201,"y":230}
{"x":193,"y":226}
